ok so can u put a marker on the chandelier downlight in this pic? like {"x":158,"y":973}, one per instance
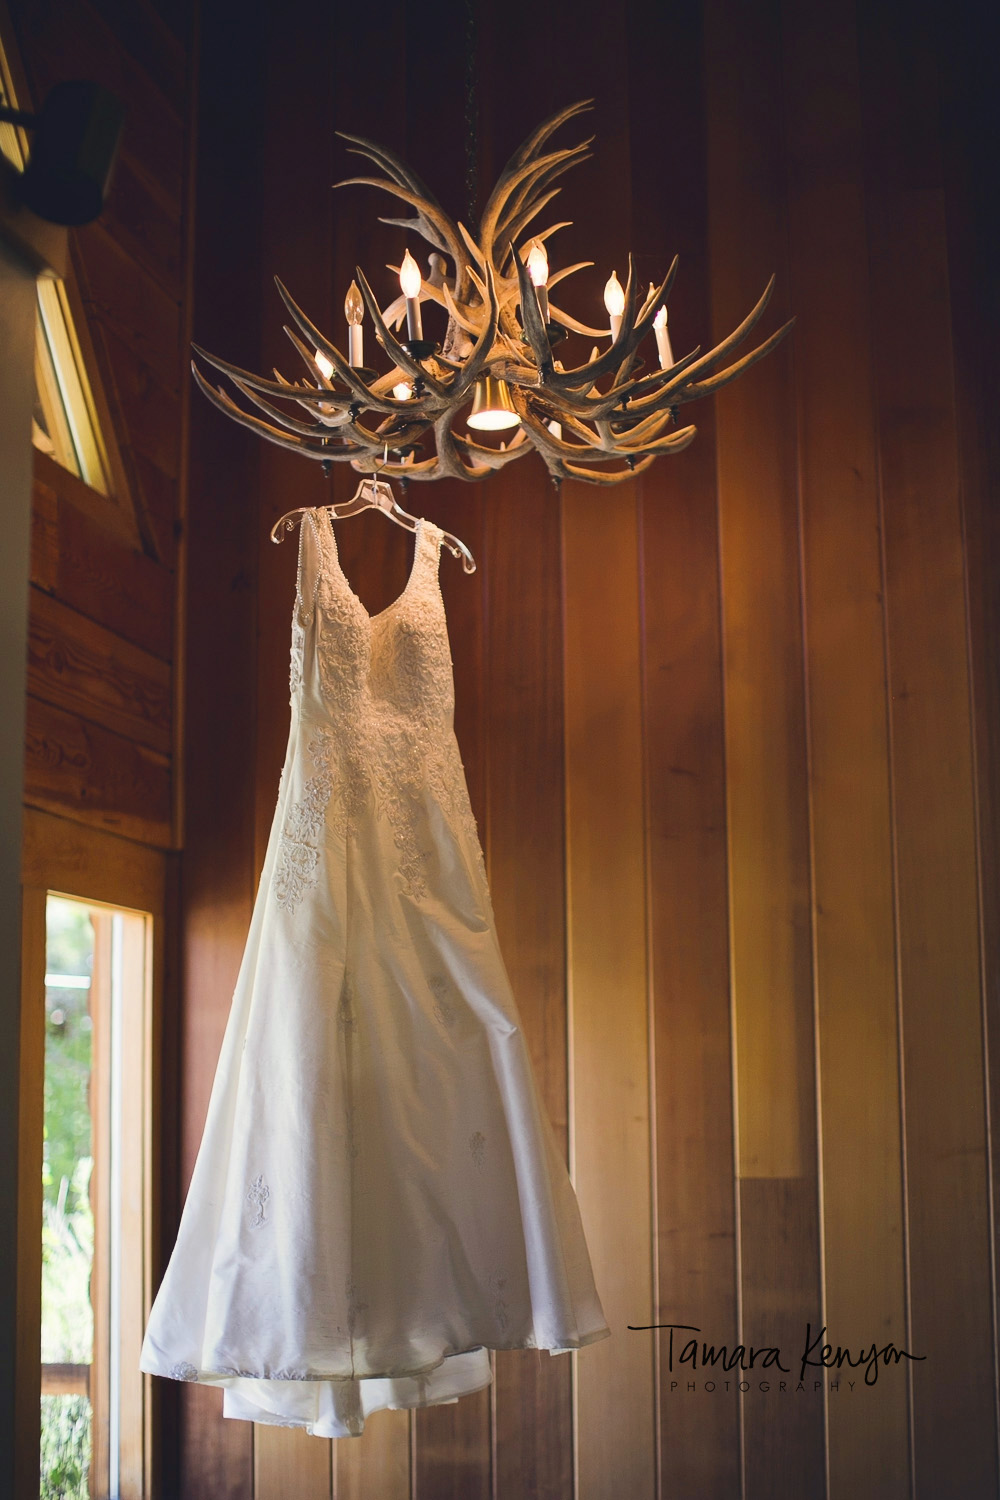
{"x":498,"y":350}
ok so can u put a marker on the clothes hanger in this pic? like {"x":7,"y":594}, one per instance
{"x":373,"y":493}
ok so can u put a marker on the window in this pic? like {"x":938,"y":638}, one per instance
{"x":95,"y":1214}
{"x":64,"y":424}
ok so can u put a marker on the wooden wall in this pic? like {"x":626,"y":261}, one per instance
{"x":730,"y":729}
{"x":103,"y":627}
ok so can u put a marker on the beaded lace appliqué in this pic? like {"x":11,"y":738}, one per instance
{"x":387,"y":683}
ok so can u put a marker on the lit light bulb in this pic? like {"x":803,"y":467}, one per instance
{"x":409,"y":282}
{"x":538,"y":270}
{"x":538,"y":263}
{"x":403,"y":391}
{"x":354,"y":311}
{"x":323,"y":365}
{"x":614,"y":301}
{"x":409,"y":276}
{"x":663,"y":348}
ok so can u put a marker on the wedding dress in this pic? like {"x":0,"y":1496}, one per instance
{"x":379,"y":1199}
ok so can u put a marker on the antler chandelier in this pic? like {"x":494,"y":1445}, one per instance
{"x":499,"y":350}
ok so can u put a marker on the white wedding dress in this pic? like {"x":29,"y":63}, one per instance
{"x":379,"y":1198}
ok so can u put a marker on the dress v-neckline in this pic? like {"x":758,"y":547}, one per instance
{"x":417,"y":539}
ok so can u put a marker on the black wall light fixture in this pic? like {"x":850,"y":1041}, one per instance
{"x":75,"y":143}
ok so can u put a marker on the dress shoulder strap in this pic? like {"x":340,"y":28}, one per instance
{"x":312,"y":554}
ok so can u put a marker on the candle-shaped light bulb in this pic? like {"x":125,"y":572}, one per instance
{"x":663,"y":348}
{"x":409,"y":282}
{"x":614,"y":301}
{"x":403,"y":391}
{"x":323,"y":365}
{"x":538,"y":270}
{"x":354,"y":311}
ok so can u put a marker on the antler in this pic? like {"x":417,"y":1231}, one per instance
{"x":580,"y":419}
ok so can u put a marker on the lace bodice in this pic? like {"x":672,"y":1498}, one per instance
{"x":374,"y":696}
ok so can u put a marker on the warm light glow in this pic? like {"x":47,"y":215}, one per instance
{"x":409,"y":277}
{"x":614,"y":296}
{"x":660,"y":321}
{"x":323,"y":365}
{"x":354,"y":308}
{"x":403,"y":391}
{"x":493,"y":420}
{"x":538,"y":264}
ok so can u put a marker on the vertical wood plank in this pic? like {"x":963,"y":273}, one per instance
{"x":854,"y":926}
{"x":766,"y":759}
{"x":31,"y":1126}
{"x":288,"y":1464}
{"x":376,"y":1465}
{"x":954,"y":1420}
{"x":606,"y":944}
{"x":695,"y":1228}
{"x":533,"y":1419}
{"x":215,"y":1456}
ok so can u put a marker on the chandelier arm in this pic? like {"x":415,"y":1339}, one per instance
{"x":431,"y":223}
{"x":293,"y":424}
{"x":494,"y":458}
{"x":534,"y":194}
{"x":708,"y":361}
{"x":392,"y":347}
{"x":456,"y":312}
{"x":531,"y":321}
{"x":511,"y":230}
{"x":715,"y":382}
{"x":509,"y":183}
{"x":574,"y":325}
{"x":650,"y":426}
{"x":260,"y":382}
{"x":226,"y":404}
{"x":449,"y":457}
{"x":481,"y":350}
{"x":383,"y":157}
{"x":651,"y":392}
{"x":365,"y":394}
{"x":533,"y":143}
{"x":345,"y":371}
{"x":561,"y":275}
{"x":594,"y":476}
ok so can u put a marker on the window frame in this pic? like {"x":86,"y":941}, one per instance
{"x":99,"y":869}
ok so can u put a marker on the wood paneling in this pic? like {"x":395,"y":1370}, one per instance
{"x":724,"y":780}
{"x":75,"y":767}
{"x":532,"y":1418}
{"x":290,"y":1465}
{"x":376,"y":1465}
{"x":954,"y":1422}
{"x":76,"y":664}
{"x":683,"y":730}
{"x":852,"y":834}
{"x":609,"y":1090}
{"x":87,"y":567}
{"x":766,"y":754}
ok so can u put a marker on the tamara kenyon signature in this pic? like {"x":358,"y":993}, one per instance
{"x":815,"y":1355}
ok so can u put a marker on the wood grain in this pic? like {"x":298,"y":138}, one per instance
{"x":75,"y":664}
{"x":852,"y":835}
{"x":954,"y":1420}
{"x":683,"y":733}
{"x":76,"y":768}
{"x":76,"y":860}
{"x":606,"y":946}
{"x":120,"y":295}
{"x":766,"y":749}
{"x":376,"y":1465}
{"x":532,"y":1418}
{"x":102,"y":577}
{"x":291,"y":1465}
{"x":31,"y":1128}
